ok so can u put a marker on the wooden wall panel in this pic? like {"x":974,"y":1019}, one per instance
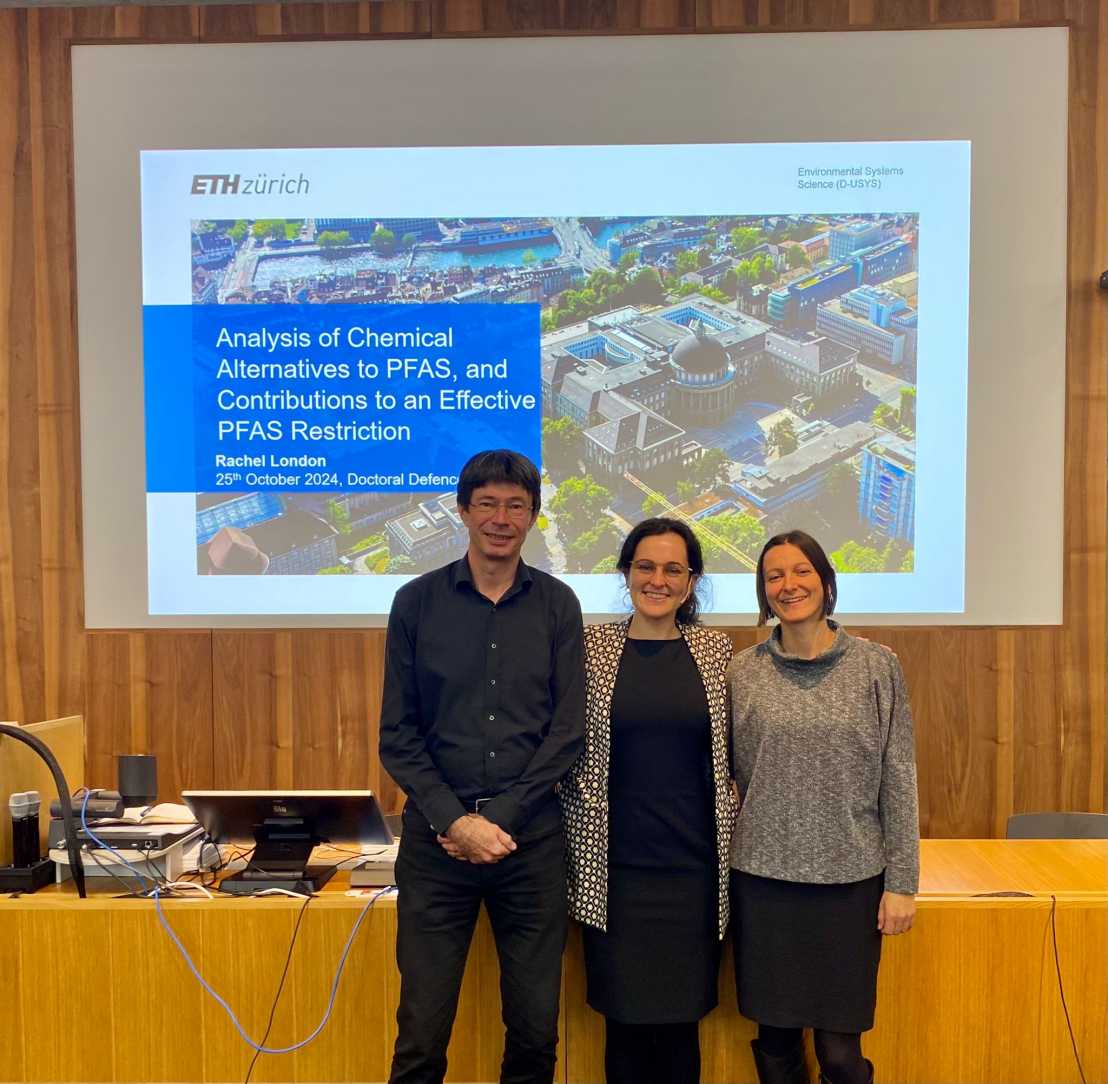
{"x":809,"y":14}
{"x":964,"y":11}
{"x":956,"y":760}
{"x":729,"y":15}
{"x":55,"y":346}
{"x":252,"y":709}
{"x":150,"y":694}
{"x":108,"y":704}
{"x":20,"y":599}
{"x":1081,"y":702}
{"x":1006,"y":719}
{"x":336,"y":706}
{"x":106,"y":24}
{"x":1039,"y":724}
{"x":299,"y":709}
{"x":1051,"y":11}
{"x":177,"y":698}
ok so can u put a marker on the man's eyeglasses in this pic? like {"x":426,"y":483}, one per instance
{"x":673,"y":572}
{"x":486,"y":506}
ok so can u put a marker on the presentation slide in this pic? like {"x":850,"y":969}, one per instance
{"x":750,"y":337}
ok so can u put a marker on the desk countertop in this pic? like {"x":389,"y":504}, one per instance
{"x":1042,"y":867}
{"x":950,"y":869}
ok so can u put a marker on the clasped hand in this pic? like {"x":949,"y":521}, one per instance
{"x":474,"y":838}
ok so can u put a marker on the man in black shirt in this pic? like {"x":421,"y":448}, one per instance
{"x":483,"y":713}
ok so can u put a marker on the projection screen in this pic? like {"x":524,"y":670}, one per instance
{"x":810,"y":280}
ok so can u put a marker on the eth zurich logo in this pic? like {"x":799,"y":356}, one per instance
{"x":235,"y":184}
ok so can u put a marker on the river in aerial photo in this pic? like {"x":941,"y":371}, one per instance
{"x":291,"y":267}
{"x":616,"y":229}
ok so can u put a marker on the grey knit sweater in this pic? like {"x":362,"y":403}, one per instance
{"x":825,"y":765}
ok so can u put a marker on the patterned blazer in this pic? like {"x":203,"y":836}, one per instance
{"x":584,"y":792}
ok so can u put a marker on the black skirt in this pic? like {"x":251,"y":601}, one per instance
{"x":659,"y":961}
{"x":806,"y":955}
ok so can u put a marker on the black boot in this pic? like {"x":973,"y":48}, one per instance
{"x":867,"y":1080}
{"x":789,"y":1069}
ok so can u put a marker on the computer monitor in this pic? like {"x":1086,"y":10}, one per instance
{"x":284,"y":826}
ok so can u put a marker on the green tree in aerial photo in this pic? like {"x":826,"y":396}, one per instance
{"x":908,"y":409}
{"x":854,"y":557}
{"x":578,"y":505}
{"x":562,"y":444}
{"x":383,"y":241}
{"x":782,"y":438}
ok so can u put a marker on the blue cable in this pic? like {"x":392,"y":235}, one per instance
{"x":96,"y":839}
{"x":227,"y":1008}
{"x":200,"y":978}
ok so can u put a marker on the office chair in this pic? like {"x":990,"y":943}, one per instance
{"x":1058,"y":826}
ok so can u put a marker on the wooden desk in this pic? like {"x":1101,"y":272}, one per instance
{"x":970,"y":867}
{"x":94,"y":991}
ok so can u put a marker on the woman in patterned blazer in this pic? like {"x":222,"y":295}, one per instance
{"x":649,"y":811}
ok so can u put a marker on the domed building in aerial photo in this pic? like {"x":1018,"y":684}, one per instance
{"x":704,"y":379}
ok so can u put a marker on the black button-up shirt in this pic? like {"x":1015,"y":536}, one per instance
{"x":482,"y":699}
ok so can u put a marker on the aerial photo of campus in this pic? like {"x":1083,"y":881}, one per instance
{"x":746,"y":373}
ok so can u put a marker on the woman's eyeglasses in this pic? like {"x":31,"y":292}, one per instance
{"x":672,"y":571}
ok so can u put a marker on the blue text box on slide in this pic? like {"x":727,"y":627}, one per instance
{"x":368,"y":398}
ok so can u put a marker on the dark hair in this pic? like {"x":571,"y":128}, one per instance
{"x":500,"y":467}
{"x":816,"y":557}
{"x":688,"y":613}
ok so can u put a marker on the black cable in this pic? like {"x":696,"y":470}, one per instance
{"x":1061,"y":990}
{"x":128,"y":890}
{"x":209,"y":878}
{"x":359,"y":856}
{"x":246,"y":855}
{"x":151,"y":863}
{"x":94,"y":841}
{"x":200,"y":871}
{"x":357,"y":853}
{"x":355,"y":856}
{"x":222,"y":862}
{"x":248,"y":862}
{"x":280,"y":987}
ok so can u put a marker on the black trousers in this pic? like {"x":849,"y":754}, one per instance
{"x":437,"y":907}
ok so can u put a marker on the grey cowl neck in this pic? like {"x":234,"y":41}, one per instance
{"x":839,"y":646}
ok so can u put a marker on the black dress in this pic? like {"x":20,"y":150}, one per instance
{"x":659,"y":959}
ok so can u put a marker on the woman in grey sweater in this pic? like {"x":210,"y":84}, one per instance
{"x":825,"y":855}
